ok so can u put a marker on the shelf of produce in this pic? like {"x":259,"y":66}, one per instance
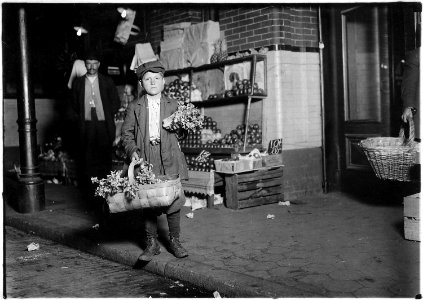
{"x":216,"y":150}
{"x":227,"y":100}
{"x":222,"y":64}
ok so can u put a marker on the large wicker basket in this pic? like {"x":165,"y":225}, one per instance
{"x":148,"y":195}
{"x":391,"y":158}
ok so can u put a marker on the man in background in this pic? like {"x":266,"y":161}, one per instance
{"x":95,"y":102}
{"x":410,"y":89}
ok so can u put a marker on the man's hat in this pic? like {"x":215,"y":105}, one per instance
{"x":93,"y":54}
{"x":152,"y":66}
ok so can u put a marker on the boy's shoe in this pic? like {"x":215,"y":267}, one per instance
{"x":153,"y":248}
{"x":176,"y":247}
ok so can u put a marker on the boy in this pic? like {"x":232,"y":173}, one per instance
{"x":143,"y":136}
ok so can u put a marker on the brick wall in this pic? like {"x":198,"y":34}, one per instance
{"x":161,"y":17}
{"x":302,"y":172}
{"x":255,"y":27}
{"x":247,"y":26}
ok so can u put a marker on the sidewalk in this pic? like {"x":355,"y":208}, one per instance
{"x":330,"y":245}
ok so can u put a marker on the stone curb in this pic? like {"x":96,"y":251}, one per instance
{"x":227,"y":283}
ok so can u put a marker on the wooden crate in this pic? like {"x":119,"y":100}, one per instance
{"x":254,"y":188}
{"x":412,"y":217}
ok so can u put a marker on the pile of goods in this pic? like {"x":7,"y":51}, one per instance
{"x":203,"y":162}
{"x":55,"y":162}
{"x":220,"y":51}
{"x":252,"y":161}
{"x":211,"y":137}
{"x":236,"y":136}
{"x":262,"y":50}
{"x":53,"y":150}
{"x":182,"y":91}
{"x":241,"y":87}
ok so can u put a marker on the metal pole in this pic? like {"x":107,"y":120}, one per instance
{"x":31,"y":195}
{"x":322,"y":104}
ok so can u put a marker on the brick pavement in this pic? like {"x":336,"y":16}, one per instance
{"x":55,"y":270}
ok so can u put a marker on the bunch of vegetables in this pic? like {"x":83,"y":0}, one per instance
{"x":114,"y":182}
{"x":187,"y":117}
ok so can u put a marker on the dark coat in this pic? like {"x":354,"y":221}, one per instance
{"x":109,"y":98}
{"x":136,"y":137}
{"x":410,"y":87}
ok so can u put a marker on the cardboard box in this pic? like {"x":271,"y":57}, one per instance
{"x":233,"y":166}
{"x":272,"y":160}
{"x":412,"y":217}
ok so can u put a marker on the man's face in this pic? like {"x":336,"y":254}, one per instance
{"x":92,"y":66}
{"x":153,"y":83}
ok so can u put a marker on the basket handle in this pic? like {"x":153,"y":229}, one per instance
{"x":411,"y":133}
{"x":131,"y":175}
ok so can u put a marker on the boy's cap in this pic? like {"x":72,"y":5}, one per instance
{"x":152,"y":66}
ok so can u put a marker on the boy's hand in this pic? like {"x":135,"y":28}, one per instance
{"x":135,"y":156}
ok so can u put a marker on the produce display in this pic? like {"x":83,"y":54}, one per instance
{"x":204,"y":165}
{"x":241,"y":87}
{"x":211,"y":137}
{"x":182,"y":91}
{"x":236,"y":136}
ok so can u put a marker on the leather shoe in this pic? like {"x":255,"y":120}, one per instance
{"x":153,"y":248}
{"x":176,"y":248}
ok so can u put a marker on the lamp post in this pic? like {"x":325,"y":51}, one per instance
{"x":31,"y":196}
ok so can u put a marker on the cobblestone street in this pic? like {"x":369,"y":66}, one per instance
{"x":59,"y":271}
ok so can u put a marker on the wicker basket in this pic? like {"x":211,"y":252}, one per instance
{"x":148,"y":195}
{"x":391,"y":158}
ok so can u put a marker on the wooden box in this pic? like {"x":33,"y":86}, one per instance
{"x":412,"y":217}
{"x":272,"y":160}
{"x":254,"y":188}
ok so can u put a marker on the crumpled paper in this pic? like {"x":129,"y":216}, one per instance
{"x":190,"y":215}
{"x":286,"y":203}
{"x":197,"y":203}
{"x":33,"y":247}
{"x":218,"y":199}
{"x":269,"y":216}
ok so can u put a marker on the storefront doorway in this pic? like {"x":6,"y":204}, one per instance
{"x":362,"y":98}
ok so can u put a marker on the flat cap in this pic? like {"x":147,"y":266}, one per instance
{"x":151,"y":66}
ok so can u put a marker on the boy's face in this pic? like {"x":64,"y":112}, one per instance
{"x":153,"y":83}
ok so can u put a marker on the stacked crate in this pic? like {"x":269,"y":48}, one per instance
{"x":412,"y":217}
{"x":263,"y":186}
